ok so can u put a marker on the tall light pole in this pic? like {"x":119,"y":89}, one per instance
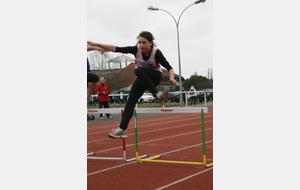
{"x":177,"y":25}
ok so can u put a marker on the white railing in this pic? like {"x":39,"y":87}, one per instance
{"x":185,"y":93}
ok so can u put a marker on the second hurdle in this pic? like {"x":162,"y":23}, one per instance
{"x":199,"y":110}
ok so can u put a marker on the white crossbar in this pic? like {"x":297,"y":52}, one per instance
{"x":172,"y":110}
{"x":151,"y":110}
{"x":104,"y":110}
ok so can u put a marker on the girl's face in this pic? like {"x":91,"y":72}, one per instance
{"x":144,"y":44}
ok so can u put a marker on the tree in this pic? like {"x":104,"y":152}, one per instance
{"x":98,"y":60}
{"x":199,"y":82}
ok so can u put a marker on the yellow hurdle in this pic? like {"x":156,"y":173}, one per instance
{"x":172,"y":110}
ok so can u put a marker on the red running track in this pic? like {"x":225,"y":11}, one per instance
{"x":173,"y":136}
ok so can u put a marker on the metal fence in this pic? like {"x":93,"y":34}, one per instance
{"x":122,"y":97}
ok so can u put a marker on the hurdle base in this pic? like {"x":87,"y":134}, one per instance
{"x":140,"y":157}
{"x":90,"y":153}
{"x":105,"y":158}
{"x":145,"y":159}
{"x":113,"y":158}
{"x":153,"y":159}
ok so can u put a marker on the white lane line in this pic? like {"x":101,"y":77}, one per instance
{"x":146,"y":126}
{"x":146,"y":119}
{"x":149,"y":125}
{"x":143,"y":122}
{"x":109,"y":125}
{"x":153,"y":140}
{"x":180,"y":149}
{"x":104,"y":170}
{"x":183,"y":179}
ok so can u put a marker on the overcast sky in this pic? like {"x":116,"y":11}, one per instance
{"x":118,"y":22}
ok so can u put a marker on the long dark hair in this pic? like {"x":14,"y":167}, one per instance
{"x":147,"y":35}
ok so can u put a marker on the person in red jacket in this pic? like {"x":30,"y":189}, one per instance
{"x":103,"y":91}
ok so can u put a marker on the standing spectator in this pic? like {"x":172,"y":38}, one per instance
{"x":193,"y":95}
{"x":103,"y":91}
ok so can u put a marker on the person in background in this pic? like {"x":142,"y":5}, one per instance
{"x":193,"y":95}
{"x":103,"y":91}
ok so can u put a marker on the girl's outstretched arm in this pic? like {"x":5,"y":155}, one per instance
{"x":100,"y":47}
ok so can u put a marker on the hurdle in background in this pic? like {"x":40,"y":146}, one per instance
{"x":201,"y":110}
{"x":104,"y":111}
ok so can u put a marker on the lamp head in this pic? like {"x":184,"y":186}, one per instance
{"x":199,"y":1}
{"x":151,"y":8}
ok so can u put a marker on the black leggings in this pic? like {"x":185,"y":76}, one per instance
{"x":105,"y":105}
{"x":146,"y":80}
{"x":91,"y":77}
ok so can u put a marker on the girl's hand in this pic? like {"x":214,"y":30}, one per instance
{"x":89,"y":48}
{"x":173,"y":81}
{"x":91,"y":43}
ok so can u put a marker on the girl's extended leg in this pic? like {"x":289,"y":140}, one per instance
{"x":136,"y":92}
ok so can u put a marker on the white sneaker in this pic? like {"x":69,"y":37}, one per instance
{"x":110,"y":117}
{"x":118,"y":133}
{"x":101,"y":118}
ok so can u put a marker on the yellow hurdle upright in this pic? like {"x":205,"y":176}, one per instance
{"x":171,"y":110}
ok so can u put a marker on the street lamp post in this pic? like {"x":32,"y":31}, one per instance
{"x":178,"y":47}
